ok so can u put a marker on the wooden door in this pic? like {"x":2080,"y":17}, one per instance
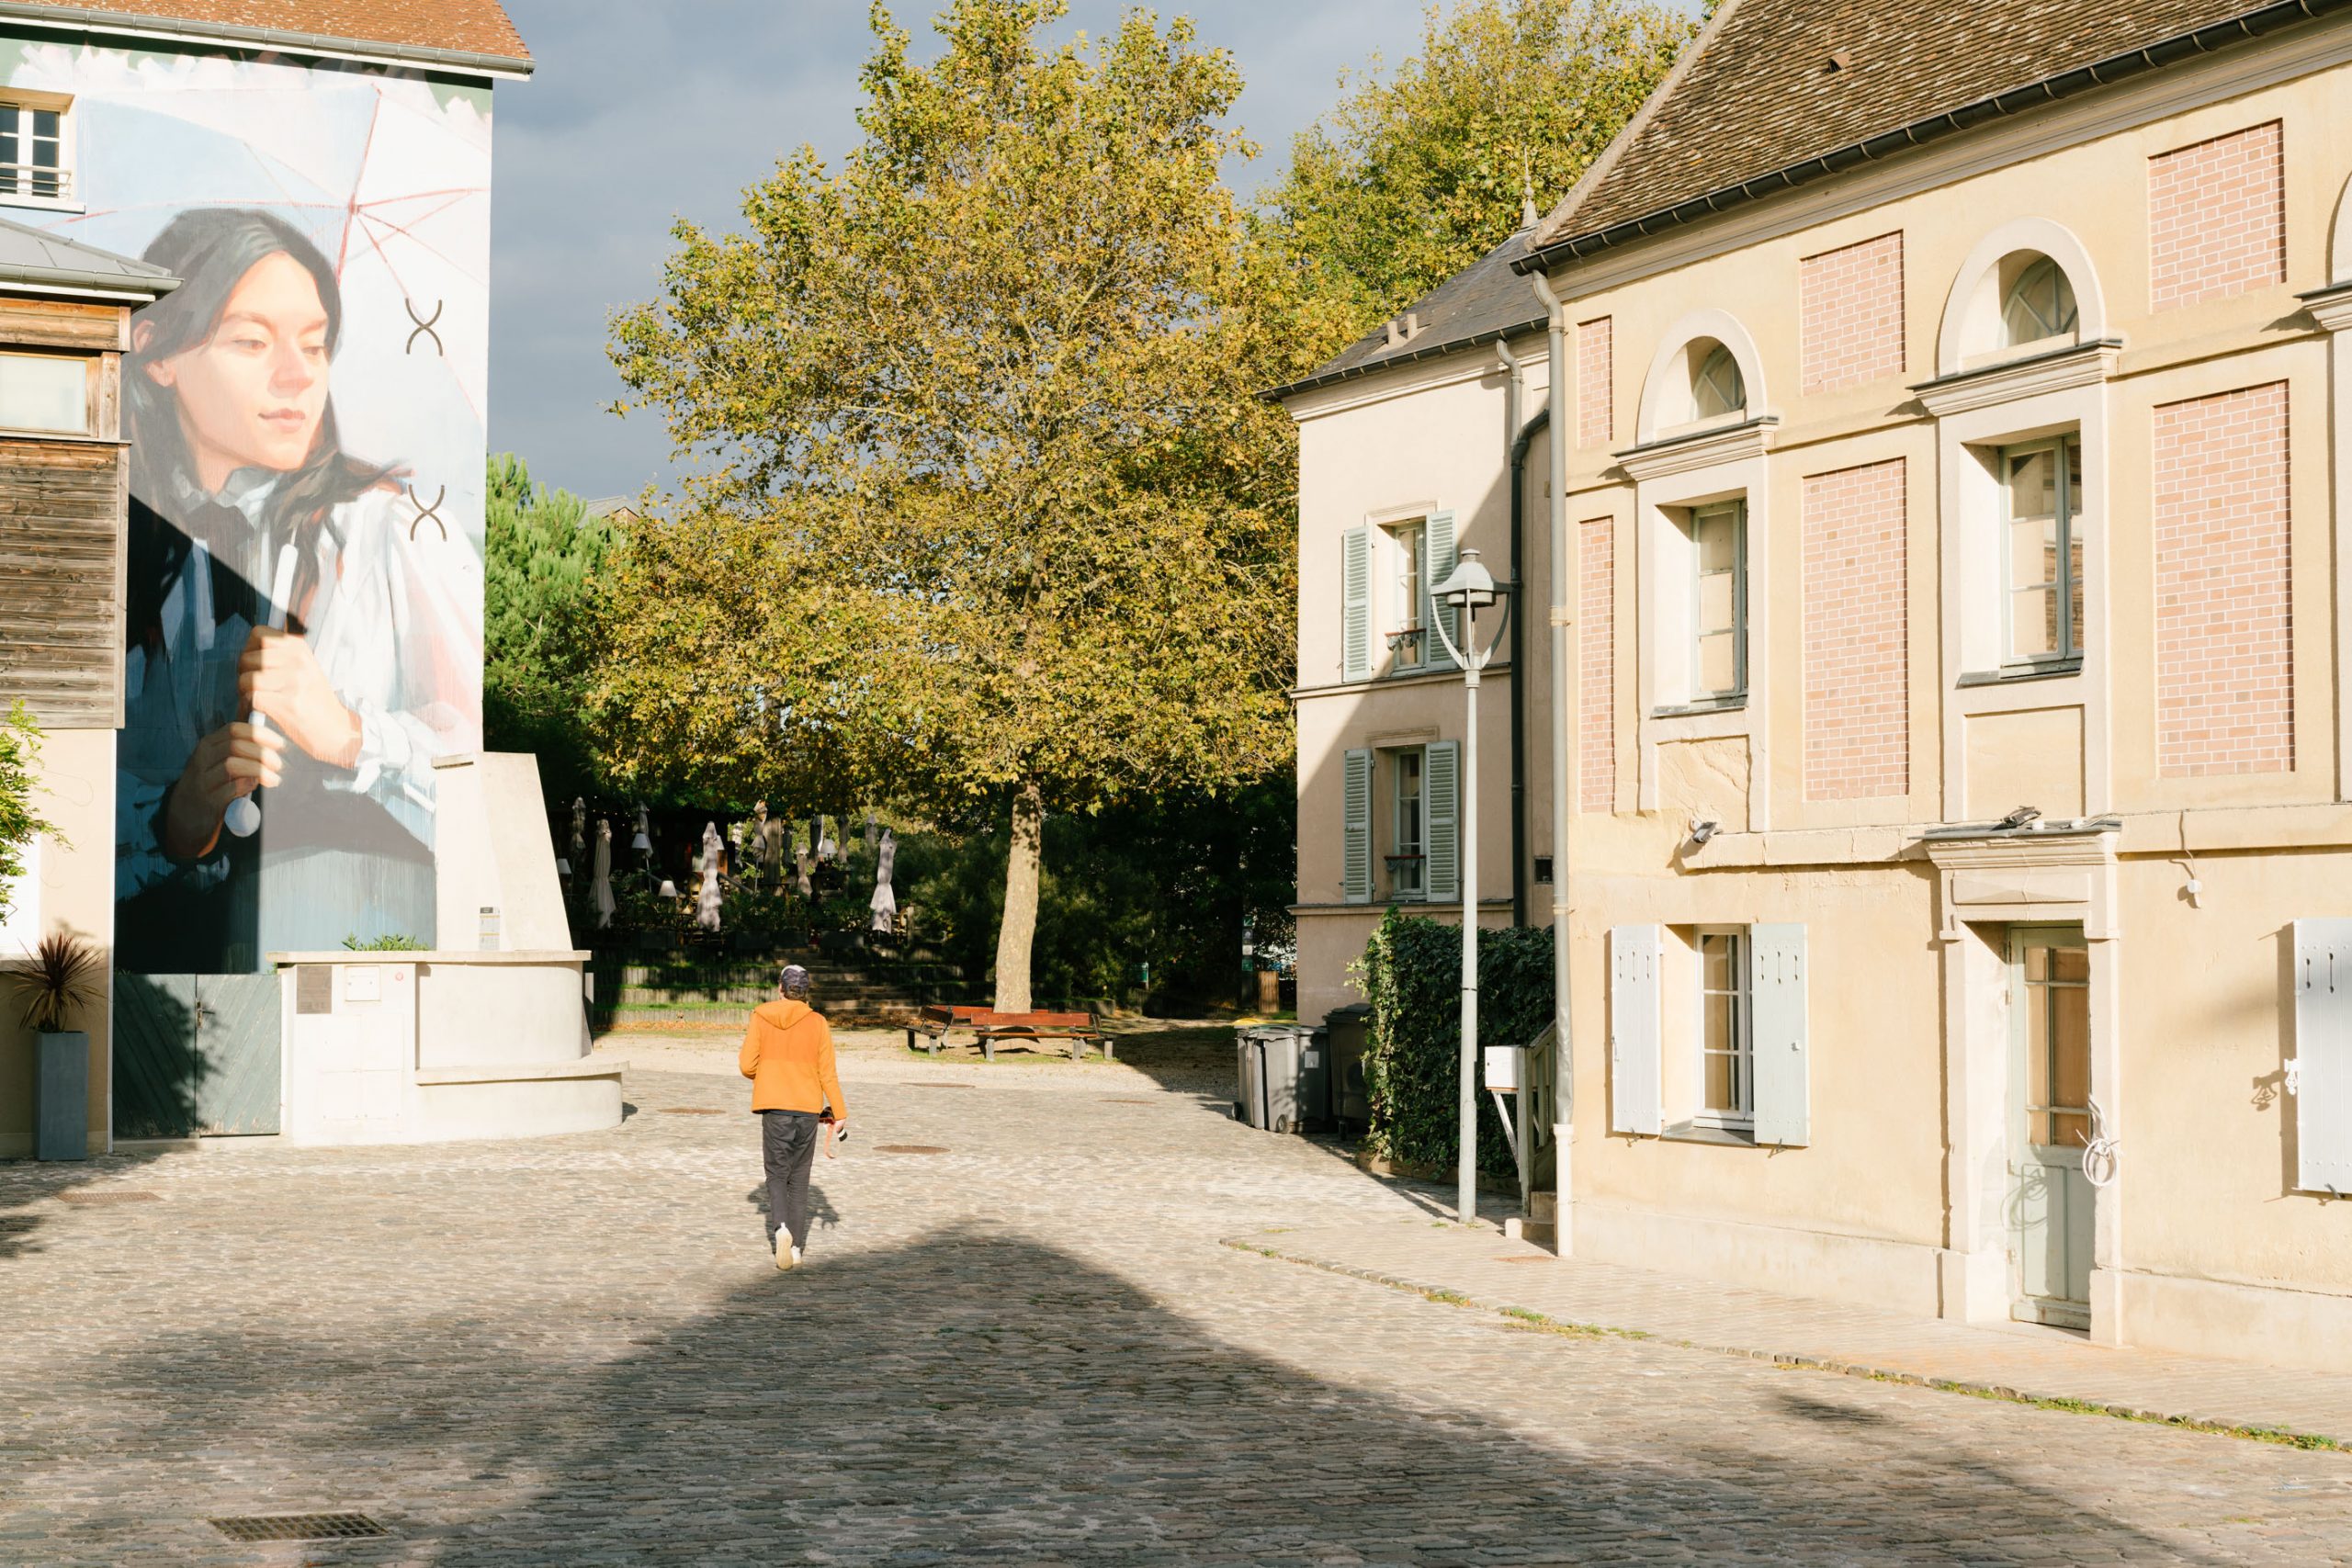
{"x":237,"y":1085}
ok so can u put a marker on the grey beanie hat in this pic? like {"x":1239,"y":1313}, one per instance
{"x":793,"y":983}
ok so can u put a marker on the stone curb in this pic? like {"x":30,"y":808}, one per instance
{"x":2221,"y":1425}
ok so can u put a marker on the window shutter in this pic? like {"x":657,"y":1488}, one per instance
{"x":1441,"y":567}
{"x":1355,"y":854}
{"x":1355,"y":612}
{"x":1633,"y":1029}
{"x":1776,"y":1032}
{"x":2321,"y":1070}
{"x":1441,"y":799}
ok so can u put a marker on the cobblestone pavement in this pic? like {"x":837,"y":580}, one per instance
{"x":1028,"y":1348}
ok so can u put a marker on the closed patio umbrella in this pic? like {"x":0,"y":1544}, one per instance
{"x":603,"y":891}
{"x":886,"y":902}
{"x":706,"y":902}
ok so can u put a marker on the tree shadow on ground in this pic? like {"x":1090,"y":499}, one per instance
{"x":979,"y":1397}
{"x":30,"y":1190}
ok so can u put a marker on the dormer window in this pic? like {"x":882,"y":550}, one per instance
{"x":35,"y":148}
{"x":2038,"y":305}
{"x":1718,"y":389}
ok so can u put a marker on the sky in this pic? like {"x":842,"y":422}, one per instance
{"x":644,"y":111}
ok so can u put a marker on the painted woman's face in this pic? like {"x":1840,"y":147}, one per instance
{"x":251,"y":396}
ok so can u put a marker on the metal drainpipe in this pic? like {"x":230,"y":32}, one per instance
{"x":1515,"y":453}
{"x":1563,"y":623}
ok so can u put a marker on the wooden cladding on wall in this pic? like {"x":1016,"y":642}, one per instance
{"x":61,"y":509}
{"x":63,"y":324}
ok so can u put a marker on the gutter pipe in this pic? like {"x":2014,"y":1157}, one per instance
{"x":1562,"y":622}
{"x":1515,"y":450}
{"x":140,"y":24}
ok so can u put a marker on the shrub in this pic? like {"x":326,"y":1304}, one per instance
{"x":1412,"y":972}
{"x":19,"y":750}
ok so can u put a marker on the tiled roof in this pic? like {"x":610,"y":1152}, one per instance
{"x":1771,"y":83}
{"x":35,"y":256}
{"x":456,"y":27}
{"x":1483,"y":301}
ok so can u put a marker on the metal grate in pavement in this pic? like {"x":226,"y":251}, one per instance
{"x":908,"y":1149}
{"x":104,"y":1197}
{"x":299,"y":1527}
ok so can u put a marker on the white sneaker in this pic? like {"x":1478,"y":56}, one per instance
{"x":786,"y":1255}
{"x":796,"y":1260}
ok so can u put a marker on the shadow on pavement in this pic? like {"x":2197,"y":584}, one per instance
{"x":977,"y":1397}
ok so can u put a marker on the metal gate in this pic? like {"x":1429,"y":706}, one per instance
{"x":195,"y":1054}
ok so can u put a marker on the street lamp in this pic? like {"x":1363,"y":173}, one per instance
{"x":1469,"y":588}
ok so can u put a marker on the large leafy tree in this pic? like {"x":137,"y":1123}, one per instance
{"x":1418,"y":173}
{"x":986,"y":507}
{"x":19,"y":773}
{"x":541,"y":558}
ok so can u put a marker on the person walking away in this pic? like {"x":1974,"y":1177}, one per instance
{"x":789,"y":1056}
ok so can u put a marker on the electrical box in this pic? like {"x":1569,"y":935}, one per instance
{"x":1503,"y":1065}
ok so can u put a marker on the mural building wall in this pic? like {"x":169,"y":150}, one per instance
{"x":306,"y":413}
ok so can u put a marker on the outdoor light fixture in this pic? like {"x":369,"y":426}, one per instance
{"x":1704,"y":829}
{"x":1468,"y":590}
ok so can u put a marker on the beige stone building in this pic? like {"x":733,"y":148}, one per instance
{"x":1936,"y":660}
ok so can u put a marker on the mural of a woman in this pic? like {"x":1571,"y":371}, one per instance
{"x":240,"y":481}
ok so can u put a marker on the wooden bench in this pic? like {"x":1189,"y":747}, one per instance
{"x":988,"y":1026}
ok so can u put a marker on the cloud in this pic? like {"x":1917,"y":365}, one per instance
{"x":644,"y":113}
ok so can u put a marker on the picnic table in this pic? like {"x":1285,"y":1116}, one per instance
{"x":988,"y":1026}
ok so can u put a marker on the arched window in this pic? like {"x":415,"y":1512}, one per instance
{"x":2038,"y":302}
{"x":1717,"y":386}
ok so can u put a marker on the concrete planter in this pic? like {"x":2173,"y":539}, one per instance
{"x":61,"y":1096}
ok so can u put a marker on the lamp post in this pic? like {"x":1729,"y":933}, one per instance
{"x":1469,"y":588}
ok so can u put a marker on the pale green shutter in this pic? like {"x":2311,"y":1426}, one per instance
{"x":1776,"y":1032}
{"x":1634,"y":1100}
{"x":1355,"y":854}
{"x":1441,"y":800}
{"x":2321,"y":1073}
{"x":1355,"y":613}
{"x":1442,"y":555}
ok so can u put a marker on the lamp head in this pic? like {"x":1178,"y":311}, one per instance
{"x":1470,"y":586}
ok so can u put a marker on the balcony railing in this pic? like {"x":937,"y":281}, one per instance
{"x":38,"y":180}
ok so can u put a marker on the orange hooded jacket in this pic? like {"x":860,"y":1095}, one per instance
{"x":789,"y":1056}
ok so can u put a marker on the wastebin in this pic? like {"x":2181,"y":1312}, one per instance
{"x":1348,"y":1030}
{"x":1283,"y":1071}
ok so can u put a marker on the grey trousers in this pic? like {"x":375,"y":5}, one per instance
{"x":788,"y":1139}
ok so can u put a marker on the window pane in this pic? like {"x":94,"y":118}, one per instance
{"x":1714,"y":963}
{"x":1717,"y":602}
{"x":1716,"y":536}
{"x":2071,"y":963}
{"x":42,"y":391}
{"x":2033,"y":551}
{"x":45,"y":123}
{"x":2071,"y":1046}
{"x":1717,"y":387}
{"x":1722,"y":1093}
{"x":1718,"y":664}
{"x":2037,"y":963}
{"x":2033,"y":484}
{"x":2033,"y":622}
{"x":2037,"y":1062}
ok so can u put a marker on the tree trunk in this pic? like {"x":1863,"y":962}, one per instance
{"x":1019,"y":927}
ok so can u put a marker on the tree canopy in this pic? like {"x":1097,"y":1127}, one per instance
{"x":542,"y":554}
{"x":985,"y":504}
{"x":1417,"y":173}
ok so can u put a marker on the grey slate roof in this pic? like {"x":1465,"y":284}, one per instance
{"x":1483,"y":302}
{"x":35,"y":256}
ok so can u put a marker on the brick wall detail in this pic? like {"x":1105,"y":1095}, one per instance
{"x":2225,"y":670}
{"x":1852,"y":314}
{"x":2217,"y":218}
{"x":1857,"y":664}
{"x":1596,"y":389}
{"x":1597,"y":664}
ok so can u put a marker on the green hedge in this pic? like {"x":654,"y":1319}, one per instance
{"x":1412,"y":972}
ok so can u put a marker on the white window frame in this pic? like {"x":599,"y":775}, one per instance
{"x":2068,"y":448}
{"x":1735,"y":1120}
{"x":87,"y":365}
{"x":69,"y":195}
{"x":1408,"y":638}
{"x":1419,"y":892}
{"x":1737,"y":691}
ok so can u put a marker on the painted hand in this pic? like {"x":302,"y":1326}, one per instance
{"x":278,"y":676}
{"x":234,"y":760}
